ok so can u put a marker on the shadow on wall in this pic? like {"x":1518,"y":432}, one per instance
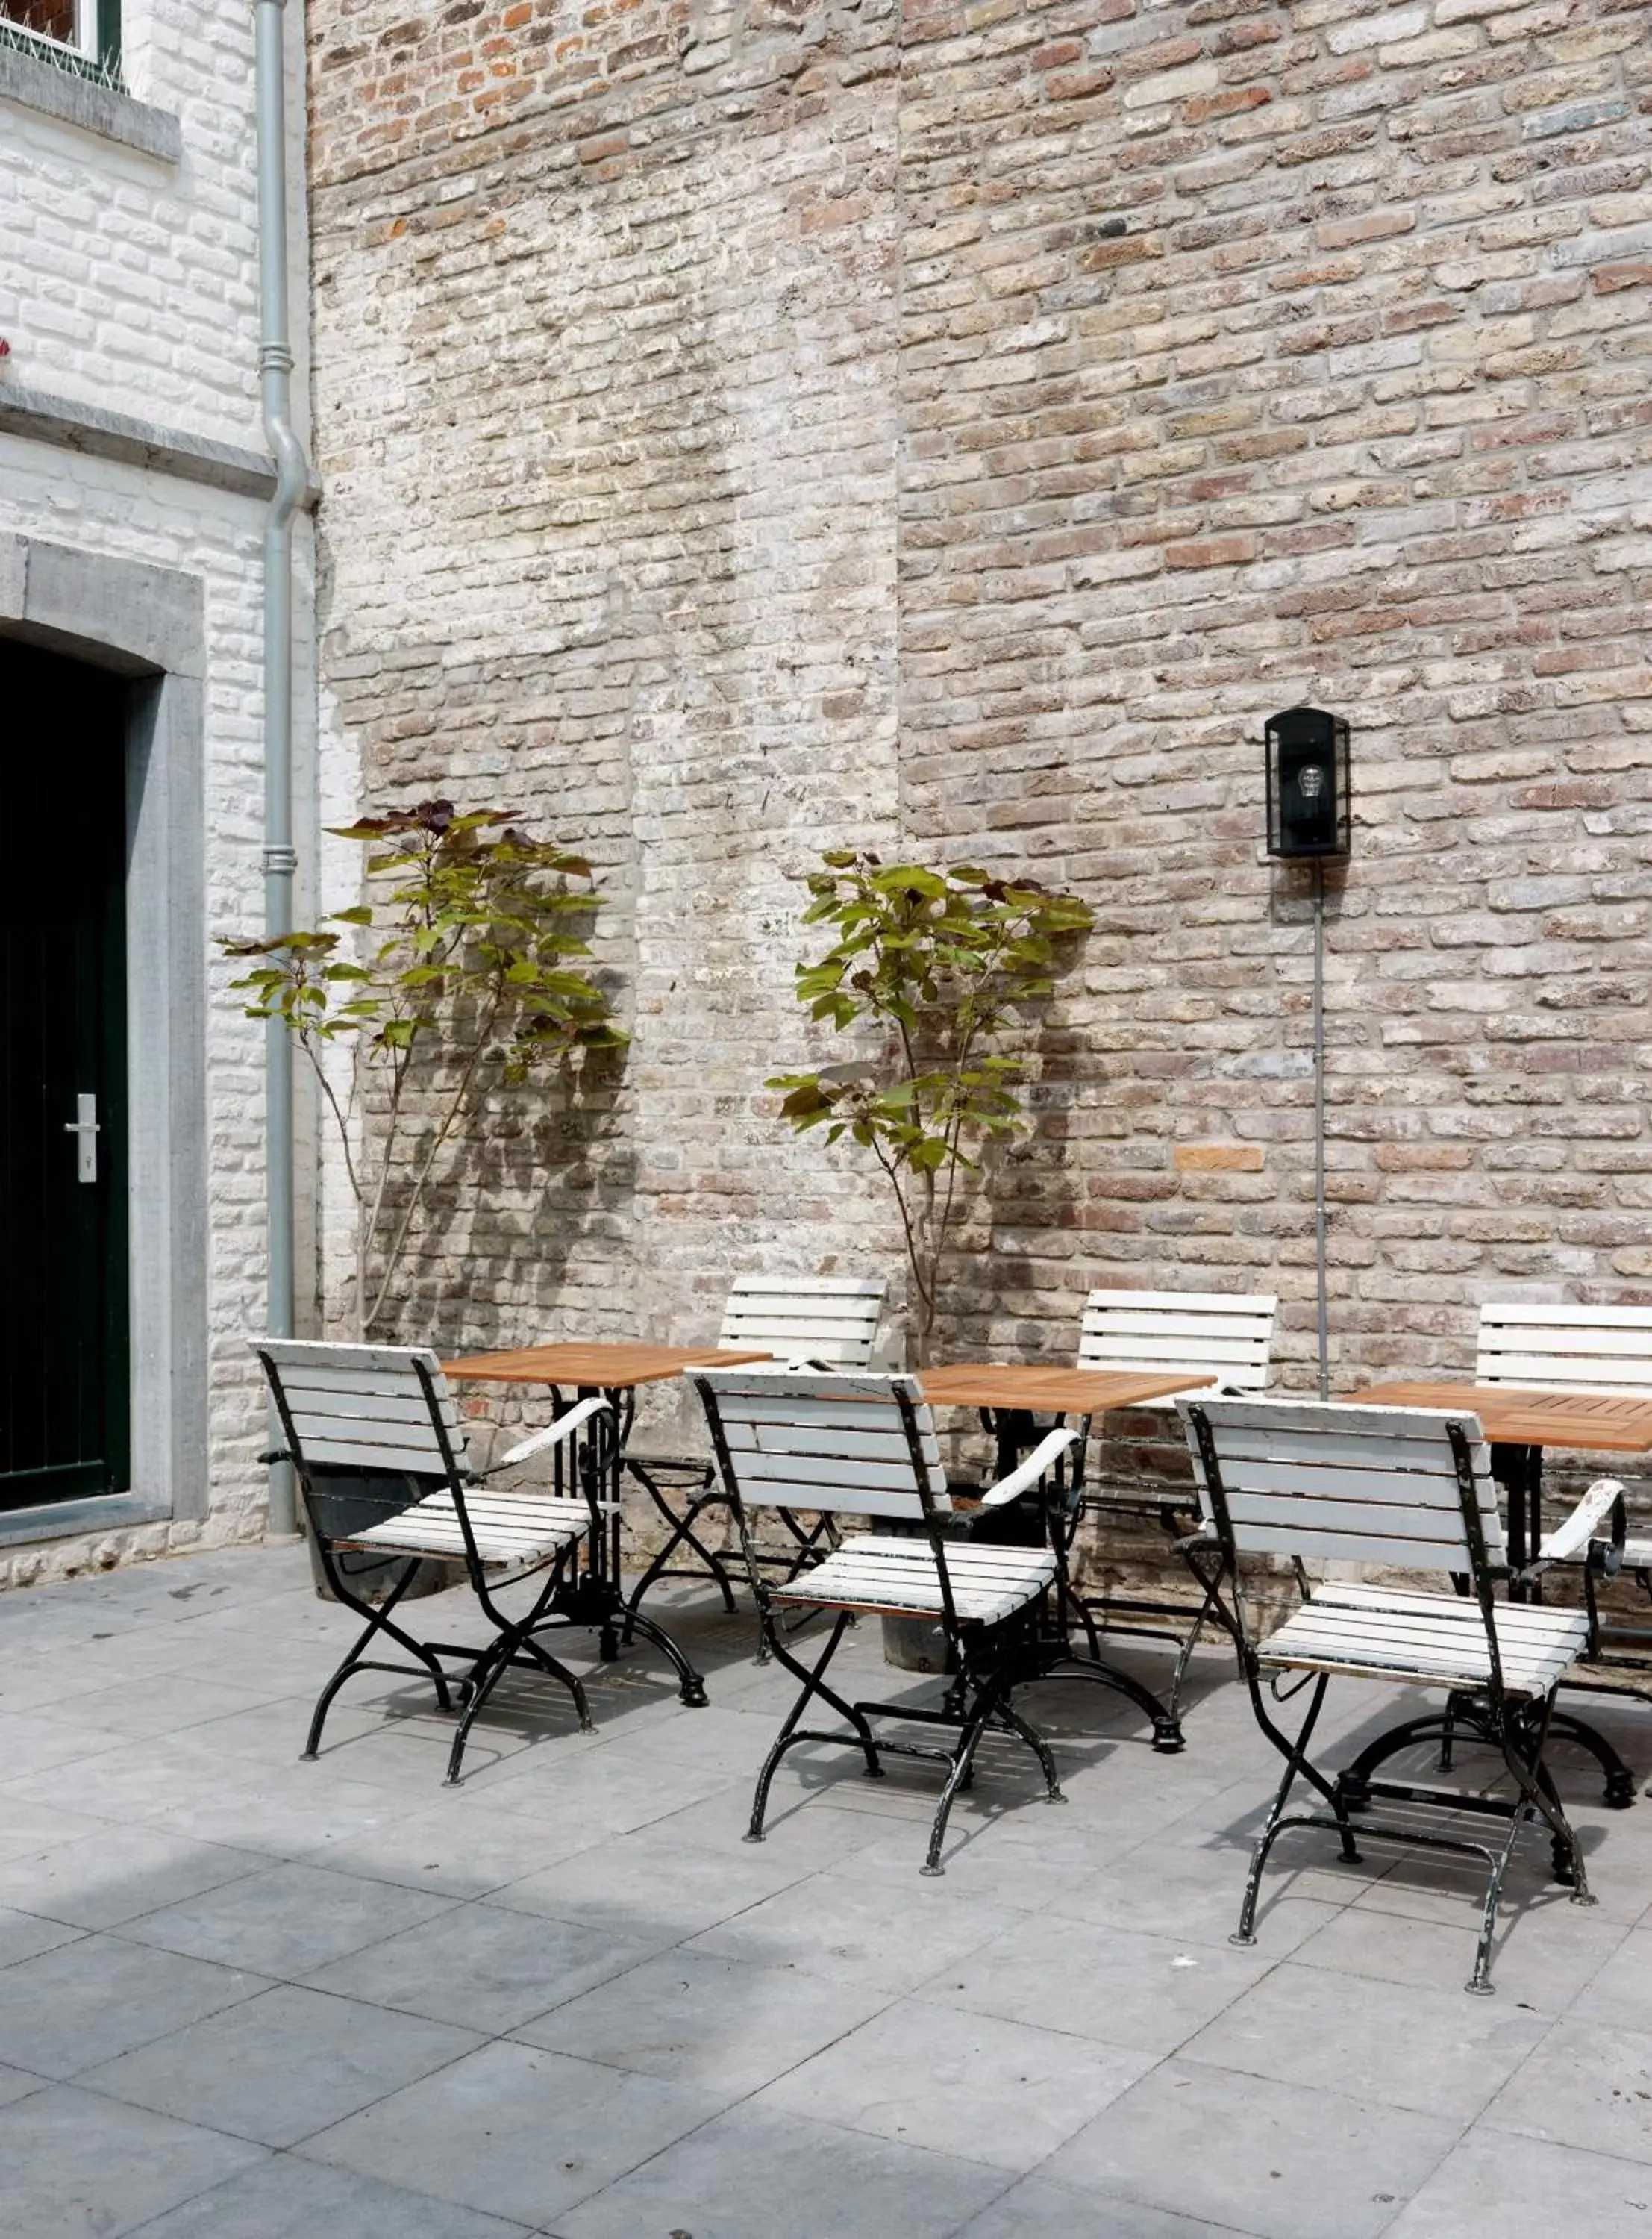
{"x":528,"y":1227}
{"x":1021,"y":1235}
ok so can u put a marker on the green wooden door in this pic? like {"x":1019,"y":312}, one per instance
{"x":64,"y":1405}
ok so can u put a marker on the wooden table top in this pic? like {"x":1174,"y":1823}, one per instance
{"x":1051,"y":1391}
{"x":593,"y":1367}
{"x":1591,"y":1422}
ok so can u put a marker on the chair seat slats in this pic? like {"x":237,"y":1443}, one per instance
{"x":1440,"y":1637}
{"x":505,"y":1529}
{"x":1009,"y":1566}
{"x":900,"y":1575}
{"x":1514,"y":1618}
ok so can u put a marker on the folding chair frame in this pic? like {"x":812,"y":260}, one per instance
{"x":515,"y":1644}
{"x":697,"y":1480}
{"x":1518,"y":1727}
{"x":988,"y":1658}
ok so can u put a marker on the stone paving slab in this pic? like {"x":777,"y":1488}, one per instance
{"x":244,"y":1997}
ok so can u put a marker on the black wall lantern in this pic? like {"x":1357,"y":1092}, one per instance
{"x":1308,"y":804}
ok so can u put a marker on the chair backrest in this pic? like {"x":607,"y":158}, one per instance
{"x":1357,"y":1485}
{"x":824,"y":1442}
{"x":1567,"y":1348}
{"x":828,"y":1319}
{"x":1229,"y":1334}
{"x":363,"y":1407}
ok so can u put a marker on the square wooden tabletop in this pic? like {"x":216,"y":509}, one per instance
{"x":1053,"y":1390}
{"x":593,"y":1367}
{"x":1591,"y":1422}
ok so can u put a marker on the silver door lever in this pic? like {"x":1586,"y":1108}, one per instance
{"x":85,"y":1130}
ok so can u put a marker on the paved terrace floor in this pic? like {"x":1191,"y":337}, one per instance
{"x":245,"y":1998}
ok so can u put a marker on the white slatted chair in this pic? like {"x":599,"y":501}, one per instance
{"x":1405,"y":1489}
{"x":865,"y":1445}
{"x":1585,"y":1349}
{"x":1228,"y":1335}
{"x":379,"y":1445}
{"x":813,"y":1321}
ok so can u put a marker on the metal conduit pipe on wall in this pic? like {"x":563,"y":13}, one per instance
{"x":292,"y":478}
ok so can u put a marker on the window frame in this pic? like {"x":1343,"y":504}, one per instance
{"x":99,"y":60}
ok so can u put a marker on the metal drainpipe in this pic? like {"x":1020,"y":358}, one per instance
{"x":292,"y":474}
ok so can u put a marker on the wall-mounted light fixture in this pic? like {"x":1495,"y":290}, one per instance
{"x":1308,"y":820}
{"x":1308,"y":783}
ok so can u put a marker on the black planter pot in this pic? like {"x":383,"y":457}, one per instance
{"x":347,"y":1500}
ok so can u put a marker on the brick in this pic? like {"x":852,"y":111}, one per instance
{"x":825,"y":463}
{"x":1218,"y":1158}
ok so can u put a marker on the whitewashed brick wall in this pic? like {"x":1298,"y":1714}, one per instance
{"x":129,"y":284}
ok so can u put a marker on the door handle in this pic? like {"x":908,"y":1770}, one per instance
{"x":85,"y":1130}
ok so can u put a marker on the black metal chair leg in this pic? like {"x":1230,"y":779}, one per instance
{"x":484,"y":1678}
{"x":682,"y":1533}
{"x":1296,"y":1756}
{"x":1620,"y":1780}
{"x":571,"y":1680}
{"x":1354,"y":1781}
{"x":692,"y":1687}
{"x":814,"y":1684}
{"x":378,"y":1621}
{"x":963,"y":1761}
{"x":1167,"y":1731}
{"x":1014,"y":1723}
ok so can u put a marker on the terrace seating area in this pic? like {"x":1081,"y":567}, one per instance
{"x":552,"y":1916}
{"x":244,"y":1995}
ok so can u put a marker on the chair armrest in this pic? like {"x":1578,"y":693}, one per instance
{"x":553,"y":1434}
{"x":1579,"y":1536}
{"x":1048,"y":1450}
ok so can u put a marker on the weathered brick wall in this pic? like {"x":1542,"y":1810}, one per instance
{"x":750,"y":430}
{"x":610,"y":448}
